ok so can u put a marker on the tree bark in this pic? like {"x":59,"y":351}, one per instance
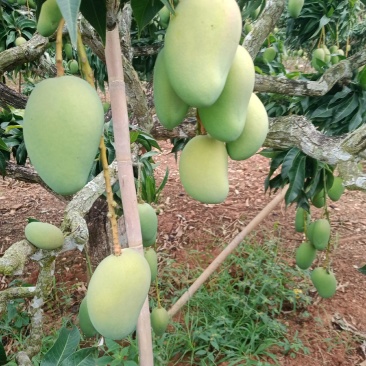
{"x":10,"y":97}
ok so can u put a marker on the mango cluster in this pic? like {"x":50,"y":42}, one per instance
{"x":317,"y":239}
{"x":203,"y":66}
{"x":326,"y":55}
{"x":63,"y":124}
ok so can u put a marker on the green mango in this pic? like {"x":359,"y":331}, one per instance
{"x":74,"y":67}
{"x":106,"y":107}
{"x":269,"y":55}
{"x":152,"y":259}
{"x":319,"y":199}
{"x":362,"y":78}
{"x":225,"y":119}
{"x":334,"y":60}
{"x":319,"y":54}
{"x":164,"y":17}
{"x":44,"y":236}
{"x":86,"y":326}
{"x":336,"y":190}
{"x":159,"y":318}
{"x":170,"y":109}
{"x":19,"y":41}
{"x":200,"y":45}
{"x":63,"y":124}
{"x":116,"y":293}
{"x":327,"y":55}
{"x":248,"y":27}
{"x":203,"y":169}
{"x":340,"y":52}
{"x":254,"y":132}
{"x":148,"y":223}
{"x":321,"y":234}
{"x":333,"y":49}
{"x":49,"y":18}
{"x":295,"y":7}
{"x":305,"y":255}
{"x":68,"y":50}
{"x":300,"y":216}
{"x":324,"y":282}
{"x":309,"y":231}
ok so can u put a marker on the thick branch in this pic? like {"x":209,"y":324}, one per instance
{"x":10,"y":97}
{"x":27,"y":52}
{"x":338,"y":72}
{"x":263,"y":26}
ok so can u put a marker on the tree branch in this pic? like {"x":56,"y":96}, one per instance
{"x":10,"y":97}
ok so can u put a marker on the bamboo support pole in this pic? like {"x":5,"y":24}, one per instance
{"x":126,"y":178}
{"x":225,"y":253}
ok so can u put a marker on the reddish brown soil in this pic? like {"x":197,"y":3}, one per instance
{"x":186,"y":225}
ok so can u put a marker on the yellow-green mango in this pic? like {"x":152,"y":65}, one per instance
{"x":319,"y":54}
{"x":319,"y":199}
{"x":324,"y":281}
{"x":63,"y":123}
{"x":68,"y":50}
{"x":305,"y":255}
{"x":116,"y":293}
{"x":225,"y":119}
{"x":148,"y":223}
{"x":254,"y":132}
{"x":295,"y":7}
{"x":321,"y":234}
{"x":301,"y":216}
{"x":336,"y":190}
{"x":19,"y":41}
{"x":49,"y":18}
{"x":200,"y":45}
{"x":164,"y":17}
{"x":44,"y":235}
{"x":159,"y":318}
{"x":152,"y":259}
{"x":269,"y":54}
{"x":248,"y":27}
{"x":86,"y":326}
{"x":327,"y":55}
{"x":74,"y":67}
{"x":170,"y":109}
{"x":203,"y":169}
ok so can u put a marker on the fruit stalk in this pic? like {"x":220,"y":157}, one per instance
{"x":126,"y":178}
{"x":59,"y":67}
{"x":86,"y":70}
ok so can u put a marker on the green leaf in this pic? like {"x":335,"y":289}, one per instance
{"x":70,"y":10}
{"x":288,"y":161}
{"x":362,"y":269}
{"x":3,"y":146}
{"x":3,"y":359}
{"x":65,"y":345}
{"x":83,"y":357}
{"x":297,"y":176}
{"x":346,"y":108}
{"x":2,"y":164}
{"x":144,"y":11}
{"x":95,"y":12}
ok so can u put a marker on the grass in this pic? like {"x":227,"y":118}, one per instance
{"x":235,"y":318}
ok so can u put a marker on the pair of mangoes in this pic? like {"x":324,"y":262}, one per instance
{"x":334,"y":193}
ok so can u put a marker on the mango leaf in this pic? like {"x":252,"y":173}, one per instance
{"x":70,"y":10}
{"x":65,"y":345}
{"x":2,"y":164}
{"x":83,"y":357}
{"x":297,"y":177}
{"x":95,"y":12}
{"x":3,"y":146}
{"x":288,"y":161}
{"x":144,"y":11}
{"x":3,"y":359}
{"x":346,"y":108}
{"x":362,"y":269}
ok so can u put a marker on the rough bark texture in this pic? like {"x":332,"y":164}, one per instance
{"x":10,"y":97}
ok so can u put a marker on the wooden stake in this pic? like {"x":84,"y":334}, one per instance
{"x":225,"y":253}
{"x":126,"y":178}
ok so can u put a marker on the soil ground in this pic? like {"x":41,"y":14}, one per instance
{"x":186,"y":225}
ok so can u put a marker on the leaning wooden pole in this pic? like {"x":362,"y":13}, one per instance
{"x":225,"y":253}
{"x":126,"y":178}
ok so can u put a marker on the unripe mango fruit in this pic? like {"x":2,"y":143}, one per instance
{"x":19,"y":41}
{"x":319,"y":54}
{"x":148,"y":223}
{"x":336,"y":190}
{"x":200,"y":45}
{"x":203,"y":169}
{"x":254,"y":132}
{"x":319,"y":199}
{"x":159,"y":318}
{"x":295,"y":7}
{"x":116,"y":293}
{"x":44,"y":235}
{"x":164,"y":17}
{"x":86,"y":326}
{"x":63,"y":123}
{"x":301,"y":216}
{"x":49,"y":18}
{"x":320,"y":234}
{"x":68,"y":50}
{"x":305,"y":255}
{"x":269,"y":54}
{"x":170,"y":109}
{"x":74,"y":67}
{"x":225,"y":119}
{"x":152,"y":259}
{"x":324,"y":282}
